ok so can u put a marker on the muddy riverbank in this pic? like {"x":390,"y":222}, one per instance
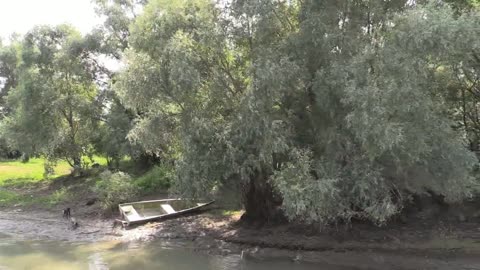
{"x":440,"y":246}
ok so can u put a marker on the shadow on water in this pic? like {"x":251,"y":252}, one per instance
{"x":119,"y":256}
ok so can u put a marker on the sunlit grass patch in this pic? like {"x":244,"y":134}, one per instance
{"x":227,"y":213}
{"x":232,"y":213}
{"x":17,"y":172}
{"x":102,"y":161}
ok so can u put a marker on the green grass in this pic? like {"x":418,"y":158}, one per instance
{"x":16,"y":173}
{"x":11,"y":198}
{"x":226,"y":213}
{"x":231,"y":212}
{"x":8,"y":198}
{"x":98,"y":159}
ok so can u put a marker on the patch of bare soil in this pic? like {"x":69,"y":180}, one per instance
{"x":43,"y":225}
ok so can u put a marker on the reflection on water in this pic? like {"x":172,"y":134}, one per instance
{"x":20,"y":255}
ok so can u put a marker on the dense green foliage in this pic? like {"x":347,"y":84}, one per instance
{"x":159,"y":178}
{"x":114,"y":188}
{"x":329,"y":110}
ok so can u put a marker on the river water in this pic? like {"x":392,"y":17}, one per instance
{"x":53,"y":255}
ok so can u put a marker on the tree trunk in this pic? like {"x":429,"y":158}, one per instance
{"x":77,"y":166}
{"x":25,"y":158}
{"x":262,"y":205}
{"x":77,"y":162}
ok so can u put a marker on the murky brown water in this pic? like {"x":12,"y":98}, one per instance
{"x":52,"y":255}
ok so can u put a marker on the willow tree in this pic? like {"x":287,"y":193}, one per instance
{"x":377,"y":130}
{"x":175,"y":48}
{"x":53,"y":104}
{"x":298,"y":103}
{"x":321,"y":128}
{"x":118,"y":14}
{"x":9,"y":60}
{"x":380,"y":132}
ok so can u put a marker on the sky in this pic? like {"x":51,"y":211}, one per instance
{"x":21,"y":15}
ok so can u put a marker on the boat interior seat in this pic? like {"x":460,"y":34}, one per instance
{"x":168,"y":208}
{"x":130,"y":213}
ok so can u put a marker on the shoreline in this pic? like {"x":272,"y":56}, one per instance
{"x":219,"y":235}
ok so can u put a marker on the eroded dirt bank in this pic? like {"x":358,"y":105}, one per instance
{"x":437,"y":247}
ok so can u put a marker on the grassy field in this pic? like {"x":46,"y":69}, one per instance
{"x":12,"y":172}
{"x":16,"y":174}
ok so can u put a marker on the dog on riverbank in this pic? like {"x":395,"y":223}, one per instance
{"x":66,"y":213}
{"x":73,"y":223}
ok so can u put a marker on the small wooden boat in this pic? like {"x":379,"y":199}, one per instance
{"x":144,"y":211}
